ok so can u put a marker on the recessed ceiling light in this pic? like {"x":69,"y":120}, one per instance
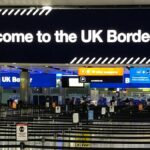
{"x":47,"y":7}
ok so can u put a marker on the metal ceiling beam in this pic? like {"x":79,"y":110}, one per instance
{"x":47,"y":65}
{"x":72,"y":2}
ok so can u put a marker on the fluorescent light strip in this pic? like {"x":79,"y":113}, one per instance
{"x":129,"y":61}
{"x":86,"y":60}
{"x":142,"y":60}
{"x":148,"y":61}
{"x":4,"y":12}
{"x":98,"y":60}
{"x":104,"y":60}
{"x":73,"y":60}
{"x":29,"y":11}
{"x":48,"y":11}
{"x":117,"y":60}
{"x":41,"y":12}
{"x":0,"y":10}
{"x":79,"y":60}
{"x":69,"y":75}
{"x":11,"y":12}
{"x":35,"y":12}
{"x":92,"y":60}
{"x":18,"y":10}
{"x":111,"y":60}
{"x":136,"y":60}
{"x":123,"y":60}
{"x":23,"y":11}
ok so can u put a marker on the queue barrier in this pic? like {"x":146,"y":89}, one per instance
{"x":83,"y":135}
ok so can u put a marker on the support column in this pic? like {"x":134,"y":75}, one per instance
{"x":24,"y":86}
{"x":62,"y":94}
{"x":1,"y":95}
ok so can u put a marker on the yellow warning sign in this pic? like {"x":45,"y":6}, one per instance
{"x":83,"y":138}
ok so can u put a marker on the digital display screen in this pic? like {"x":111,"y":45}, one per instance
{"x":74,"y":82}
{"x":68,"y":81}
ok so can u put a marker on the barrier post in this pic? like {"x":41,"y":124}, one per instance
{"x":22,"y":145}
{"x":55,"y":140}
{"x":43,"y":141}
{"x":63,"y":133}
{"x":69,"y":136}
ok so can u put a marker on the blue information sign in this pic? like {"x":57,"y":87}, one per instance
{"x":10,"y":79}
{"x":36,"y":80}
{"x":126,"y":84}
{"x":140,"y":75}
{"x":43,"y":80}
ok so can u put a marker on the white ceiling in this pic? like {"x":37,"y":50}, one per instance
{"x":72,"y":2}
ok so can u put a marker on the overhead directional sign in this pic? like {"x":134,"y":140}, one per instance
{"x":36,"y":80}
{"x":82,"y":79}
{"x":100,"y":71}
{"x":101,"y":79}
{"x":85,"y":34}
{"x":140,"y":75}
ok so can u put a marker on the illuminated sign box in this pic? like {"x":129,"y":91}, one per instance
{"x":74,"y":82}
{"x":119,"y":85}
{"x":126,"y":84}
{"x":100,"y":71}
{"x":140,"y":75}
{"x":101,"y":79}
{"x":101,"y":32}
{"x":71,"y":81}
{"x":36,"y":80}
